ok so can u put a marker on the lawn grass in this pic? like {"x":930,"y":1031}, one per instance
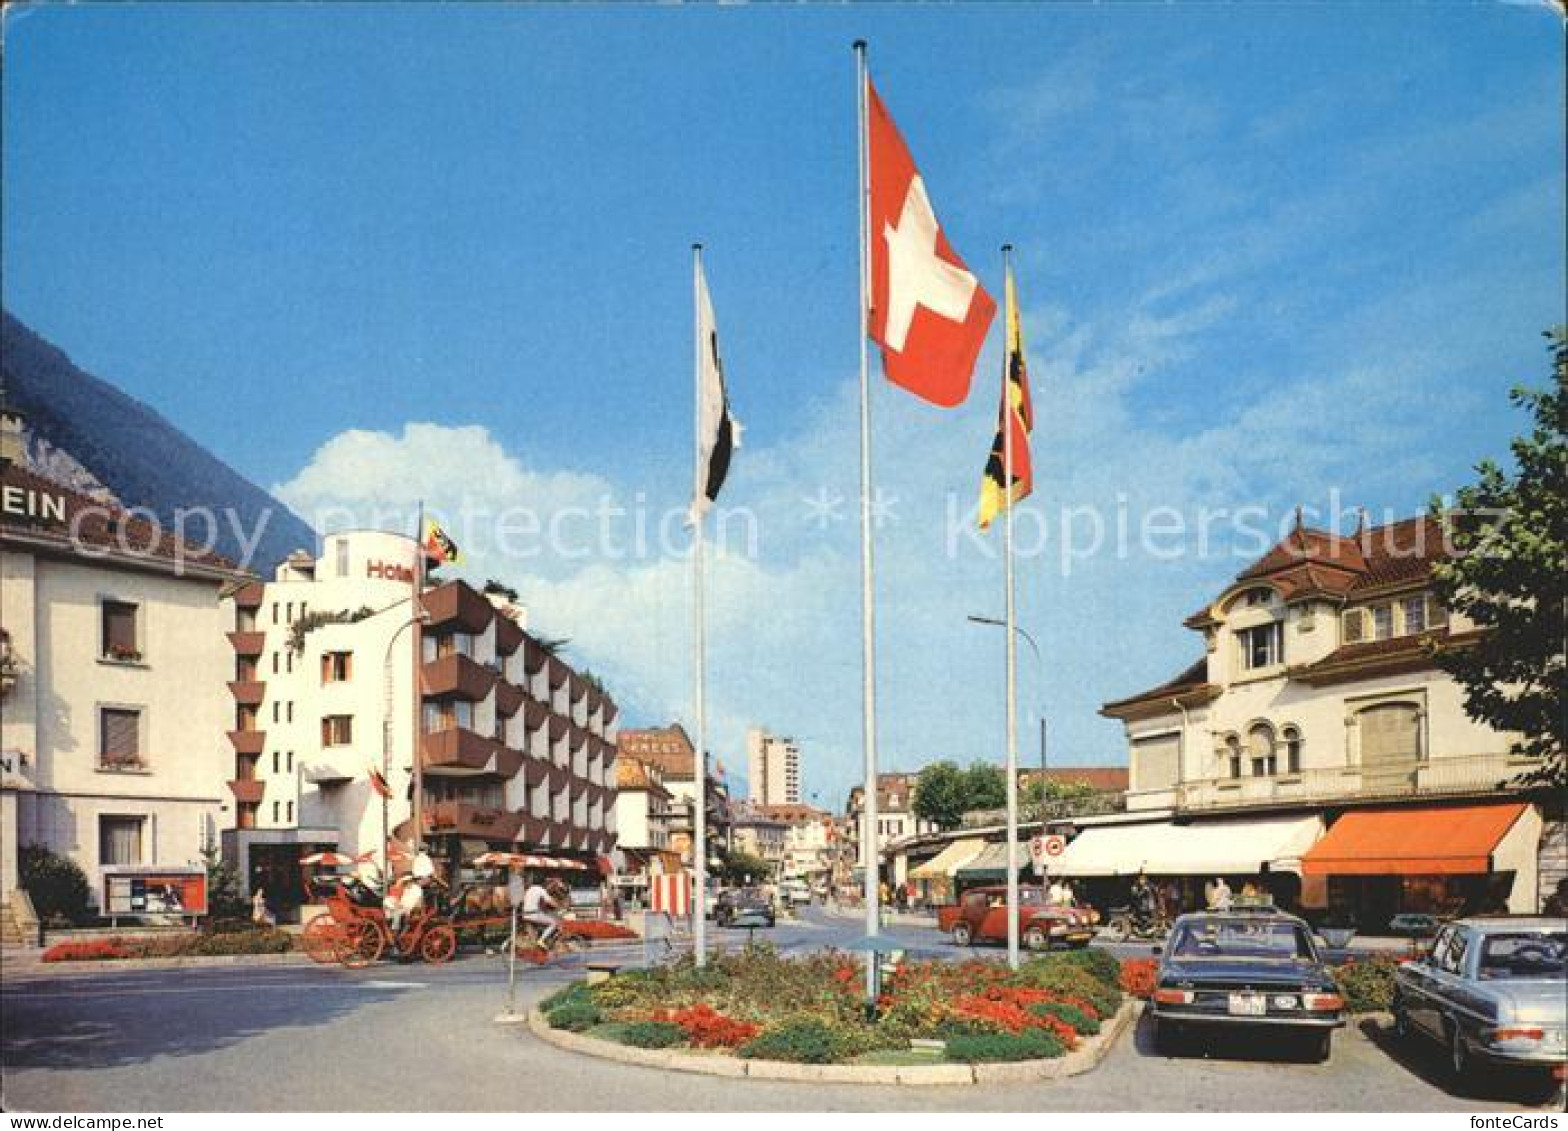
{"x":901,"y":1058}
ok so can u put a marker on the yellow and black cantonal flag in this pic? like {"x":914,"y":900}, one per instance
{"x":1017,"y":414}
{"x":439,"y":547}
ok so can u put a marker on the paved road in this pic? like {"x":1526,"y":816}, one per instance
{"x":319,"y":1039}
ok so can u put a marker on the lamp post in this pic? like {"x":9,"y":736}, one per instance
{"x":386,"y":737}
{"x":1035,"y":648}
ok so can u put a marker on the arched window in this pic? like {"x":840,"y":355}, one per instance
{"x":1291,"y":736}
{"x":1229,"y":754}
{"x":1260,"y":749}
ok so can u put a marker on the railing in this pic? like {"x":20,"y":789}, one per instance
{"x":1472,"y":773}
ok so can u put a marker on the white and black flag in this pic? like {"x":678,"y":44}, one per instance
{"x":718,"y":433}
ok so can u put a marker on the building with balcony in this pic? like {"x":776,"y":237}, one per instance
{"x":755,"y":831}
{"x":337,"y":668}
{"x":772,"y":769}
{"x":808,"y":840}
{"x":1317,"y":733}
{"x":112,"y":669}
{"x":671,"y":752}
{"x":643,"y":811}
{"x":896,"y":819}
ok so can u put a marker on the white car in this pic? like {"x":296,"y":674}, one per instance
{"x":795,"y":891}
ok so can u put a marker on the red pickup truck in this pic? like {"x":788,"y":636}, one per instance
{"x":981,"y":916}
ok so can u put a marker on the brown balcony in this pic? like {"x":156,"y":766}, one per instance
{"x":534,"y":713}
{"x":457,"y":677}
{"x":610,"y":710}
{"x":559,"y":673}
{"x":248,"y":791}
{"x":249,"y":596}
{"x":249,"y":692}
{"x":463,"y":818}
{"x":508,"y":697}
{"x":248,"y":643}
{"x":460,"y":752}
{"x":533,"y":831}
{"x":250,"y":742}
{"x":534,"y":655}
{"x":537,"y":772}
{"x":507,"y":635}
{"x":455,"y":606}
{"x":559,"y":725}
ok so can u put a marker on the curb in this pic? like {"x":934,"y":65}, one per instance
{"x":1082,"y":1059}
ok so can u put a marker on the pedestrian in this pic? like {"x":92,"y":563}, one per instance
{"x":1220,"y":896}
{"x":259,"y":914}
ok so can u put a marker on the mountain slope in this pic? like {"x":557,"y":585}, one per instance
{"x":82,"y":429}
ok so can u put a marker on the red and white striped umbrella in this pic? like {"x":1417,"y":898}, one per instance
{"x":327,"y":859}
{"x":525,"y":860}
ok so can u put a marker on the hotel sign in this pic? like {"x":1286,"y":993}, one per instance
{"x":32,"y":504}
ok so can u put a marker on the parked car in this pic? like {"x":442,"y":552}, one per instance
{"x":980,"y":915}
{"x":1494,"y":991}
{"x":744,"y":907}
{"x":1248,"y":969}
{"x":795,"y":892}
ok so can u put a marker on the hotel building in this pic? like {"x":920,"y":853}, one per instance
{"x":516,"y":748}
{"x":112,"y":699}
{"x":772,"y":769}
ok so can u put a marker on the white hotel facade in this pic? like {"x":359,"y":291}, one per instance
{"x":517,"y":748}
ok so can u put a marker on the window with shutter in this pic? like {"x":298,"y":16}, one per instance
{"x":1413,"y":609}
{"x":1390,"y":733}
{"x":1382,"y":622}
{"x":1354,"y":622}
{"x":119,"y":738}
{"x":119,"y":841}
{"x":1436,"y":614}
{"x":119,"y":631}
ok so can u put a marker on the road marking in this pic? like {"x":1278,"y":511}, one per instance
{"x":378,"y":984}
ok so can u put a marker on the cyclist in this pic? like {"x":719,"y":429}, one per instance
{"x":538,"y":904}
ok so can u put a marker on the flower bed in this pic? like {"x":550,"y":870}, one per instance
{"x":1368,"y":984}
{"x":758,"y":1004}
{"x":1138,"y":977}
{"x":596,"y":929}
{"x":256,"y":941}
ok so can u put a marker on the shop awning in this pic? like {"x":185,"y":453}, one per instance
{"x":949,"y":860}
{"x":1210,"y":848}
{"x":1413,"y":842}
{"x":991,"y":863}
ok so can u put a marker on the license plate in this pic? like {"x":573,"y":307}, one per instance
{"x":1248,"y":1005}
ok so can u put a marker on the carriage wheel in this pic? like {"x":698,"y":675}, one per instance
{"x":319,"y":939}
{"x":361,"y":945}
{"x":438,"y":944}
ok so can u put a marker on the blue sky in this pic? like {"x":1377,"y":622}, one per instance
{"x":1266,"y":254}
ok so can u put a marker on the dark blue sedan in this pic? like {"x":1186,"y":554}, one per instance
{"x":1247,"y":969}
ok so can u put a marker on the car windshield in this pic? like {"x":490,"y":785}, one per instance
{"x":1241,"y":938}
{"x":1534,"y":955}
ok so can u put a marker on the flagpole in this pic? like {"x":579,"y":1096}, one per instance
{"x":868,"y":826}
{"x":1008,"y":412}
{"x":418,"y":808}
{"x":699,"y":634}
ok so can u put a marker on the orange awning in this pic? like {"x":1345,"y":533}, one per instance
{"x":1412,"y":842}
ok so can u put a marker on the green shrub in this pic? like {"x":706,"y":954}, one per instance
{"x":574,"y":1016}
{"x":806,"y":1041}
{"x":1032,"y":1044}
{"x":572,"y":992}
{"x":263,"y":940}
{"x":651,"y":1034}
{"x":1072,"y":980}
{"x":1368,"y":986}
{"x":58,"y":888}
{"x":1101,"y":963}
{"x":1082,"y":1023}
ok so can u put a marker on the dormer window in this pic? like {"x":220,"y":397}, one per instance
{"x":1262,"y":646}
{"x":1260,"y":597}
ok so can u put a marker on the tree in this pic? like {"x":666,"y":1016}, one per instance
{"x":1049,"y":797}
{"x":941,"y":795}
{"x":740,"y":867}
{"x":223,"y":886}
{"x":986,"y":785}
{"x":58,"y":888}
{"x":1507,"y":571}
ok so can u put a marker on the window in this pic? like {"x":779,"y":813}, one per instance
{"x":1259,"y":596}
{"x":337,"y":730}
{"x":288,"y":809}
{"x":119,"y":738}
{"x":1292,"y":738}
{"x":277,"y":807}
{"x":276,"y":715}
{"x":288,"y":612}
{"x":1354,"y":630}
{"x":445,"y":716}
{"x":1382,"y":622}
{"x":1230,"y":757}
{"x":120,"y":840}
{"x":444,"y":644}
{"x":119,"y":632}
{"x":1261,"y":647}
{"x":336,"y":667}
{"x":288,"y":711}
{"x":1414,"y":611}
{"x":1390,"y":733}
{"x":289,"y":764}
{"x":340,"y":556}
{"x":245,"y":720}
{"x":274,"y":663}
{"x":276,"y":761}
{"x":1260,"y":745}
{"x":274,"y":612}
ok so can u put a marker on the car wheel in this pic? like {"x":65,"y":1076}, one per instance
{"x":1036,"y":938}
{"x":962,"y":936}
{"x":1459,"y":1058}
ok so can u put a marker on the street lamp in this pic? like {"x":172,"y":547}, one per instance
{"x":1035,"y":648}
{"x":386,"y":743}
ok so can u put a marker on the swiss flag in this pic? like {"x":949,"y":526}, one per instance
{"x":928,"y":311}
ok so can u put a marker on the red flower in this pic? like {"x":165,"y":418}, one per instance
{"x":1138,"y":976}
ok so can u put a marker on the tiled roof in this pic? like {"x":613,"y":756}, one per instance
{"x":793,"y":814}
{"x":1192,"y":678}
{"x":630,"y":774}
{"x":1394,"y":648}
{"x":1107,"y":779}
{"x":101,"y":528}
